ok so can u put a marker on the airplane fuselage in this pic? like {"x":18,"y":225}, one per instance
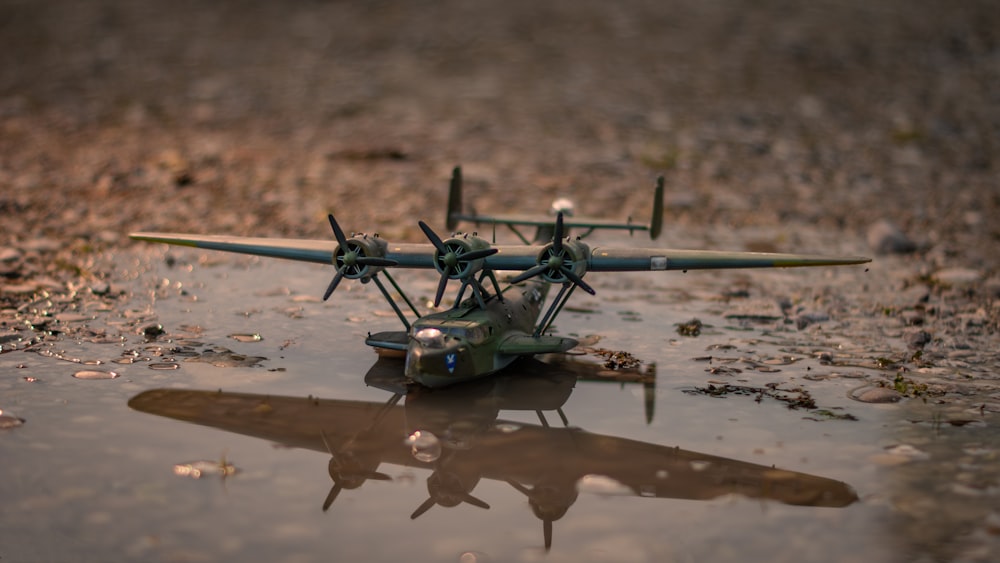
{"x":465,"y":342}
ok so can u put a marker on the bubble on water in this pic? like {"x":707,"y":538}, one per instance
{"x":95,"y":374}
{"x":601,"y":485}
{"x":246,"y":337}
{"x":164,"y":366}
{"x":424,"y":446}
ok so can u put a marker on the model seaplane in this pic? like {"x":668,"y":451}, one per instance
{"x":485,"y":332}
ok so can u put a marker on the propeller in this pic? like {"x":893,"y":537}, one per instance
{"x":351,"y":259}
{"x":548,"y":503}
{"x":452,"y":258}
{"x":447,"y":490}
{"x":556,"y":263}
{"x":347,"y":472}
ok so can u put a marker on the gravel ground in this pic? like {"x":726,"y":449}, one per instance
{"x":875,"y":124}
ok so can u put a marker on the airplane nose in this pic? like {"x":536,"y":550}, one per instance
{"x":429,"y":366}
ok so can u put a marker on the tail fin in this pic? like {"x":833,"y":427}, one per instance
{"x":454,"y":198}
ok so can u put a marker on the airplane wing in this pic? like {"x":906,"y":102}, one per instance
{"x":652,"y":259}
{"x":508,"y":257}
{"x":532,"y":456}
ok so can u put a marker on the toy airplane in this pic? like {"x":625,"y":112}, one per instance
{"x":462,"y":440}
{"x":483,"y":334}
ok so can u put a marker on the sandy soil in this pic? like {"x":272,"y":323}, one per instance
{"x":875,"y":124}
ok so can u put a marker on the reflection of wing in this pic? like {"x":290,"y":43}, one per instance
{"x":520,"y":345}
{"x":508,"y":257}
{"x":532,"y":456}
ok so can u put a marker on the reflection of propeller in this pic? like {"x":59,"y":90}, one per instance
{"x":548,"y":503}
{"x":347,"y":472}
{"x":352,"y":258}
{"x":453,"y":259}
{"x":556,"y":263}
{"x":446,"y":488}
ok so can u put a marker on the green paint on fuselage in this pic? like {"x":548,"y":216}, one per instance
{"x":463,"y":343}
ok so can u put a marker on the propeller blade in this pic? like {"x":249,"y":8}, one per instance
{"x":521,"y":488}
{"x":338,"y":233}
{"x":441,"y":285}
{"x":474,"y":501}
{"x":333,"y":284}
{"x":530,"y":273}
{"x":577,"y":280}
{"x":547,"y":533}
{"x":377,"y":476}
{"x":432,"y":236}
{"x":427,"y":504}
{"x":332,"y":496}
{"x":477,"y":254}
{"x":557,"y":237}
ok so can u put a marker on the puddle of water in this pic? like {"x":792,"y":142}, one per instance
{"x":639,"y":470}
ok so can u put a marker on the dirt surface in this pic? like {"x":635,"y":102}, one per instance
{"x":877,"y":125}
{"x":873,"y":127}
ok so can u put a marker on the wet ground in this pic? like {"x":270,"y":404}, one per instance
{"x":838,"y":128}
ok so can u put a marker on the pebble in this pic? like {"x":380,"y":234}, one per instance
{"x":809,"y":318}
{"x":884,"y":237}
{"x":9,"y":421}
{"x":957,"y":276}
{"x":917,"y":339}
{"x":873,"y":394}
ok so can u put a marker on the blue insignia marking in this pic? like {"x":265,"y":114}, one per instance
{"x":450,"y":360}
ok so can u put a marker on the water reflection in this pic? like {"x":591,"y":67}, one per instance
{"x":457,"y":434}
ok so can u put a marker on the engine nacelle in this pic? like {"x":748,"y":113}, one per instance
{"x":457,"y":246}
{"x":360,"y":246}
{"x":573,"y":256}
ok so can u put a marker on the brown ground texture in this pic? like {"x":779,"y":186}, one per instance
{"x":258,"y":118}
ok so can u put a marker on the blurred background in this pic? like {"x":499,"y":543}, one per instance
{"x":251,"y":117}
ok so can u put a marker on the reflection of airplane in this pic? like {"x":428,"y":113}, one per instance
{"x":487,"y":332}
{"x":457,"y":435}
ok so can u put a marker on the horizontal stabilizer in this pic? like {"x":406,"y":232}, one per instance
{"x":390,"y":340}
{"x":521,"y":345}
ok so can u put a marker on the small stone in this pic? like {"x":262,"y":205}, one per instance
{"x":809,"y":318}
{"x":912,"y":318}
{"x":100,"y":288}
{"x":918,"y":339}
{"x":153,"y":331}
{"x":957,"y":276}
{"x":884,"y":237}
{"x":871,"y":394}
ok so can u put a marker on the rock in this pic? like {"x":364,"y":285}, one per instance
{"x":884,"y":237}
{"x":918,"y":339}
{"x":873,"y":394}
{"x":957,"y":276}
{"x":808,"y":318}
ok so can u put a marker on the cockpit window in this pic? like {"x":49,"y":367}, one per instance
{"x":430,"y":337}
{"x":435,"y":337}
